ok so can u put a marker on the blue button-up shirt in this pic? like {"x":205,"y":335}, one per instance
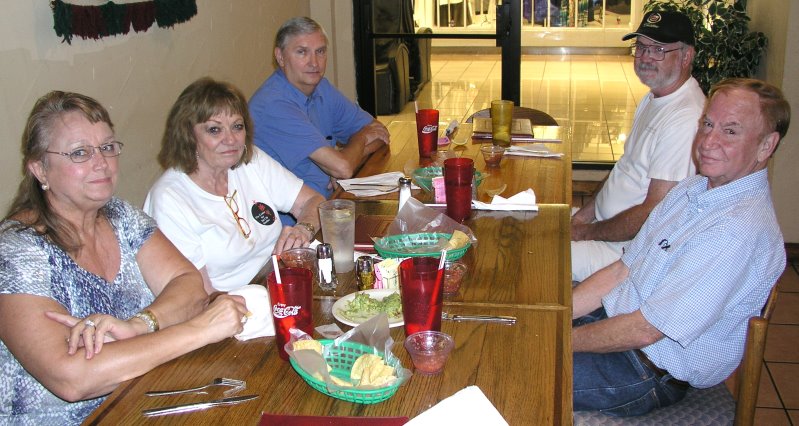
{"x":701,"y":266}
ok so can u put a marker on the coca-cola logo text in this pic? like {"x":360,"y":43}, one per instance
{"x":280,"y":310}
{"x":429,"y":128}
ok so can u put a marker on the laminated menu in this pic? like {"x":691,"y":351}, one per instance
{"x":521,"y":129}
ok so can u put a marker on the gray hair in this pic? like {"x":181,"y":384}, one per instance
{"x":297,"y":26}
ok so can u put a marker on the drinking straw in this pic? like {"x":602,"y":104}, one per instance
{"x":277,"y":269}
{"x":443,"y":259}
{"x":416,"y":106}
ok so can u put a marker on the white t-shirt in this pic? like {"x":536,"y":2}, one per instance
{"x":203,"y":228}
{"x":658,"y":147}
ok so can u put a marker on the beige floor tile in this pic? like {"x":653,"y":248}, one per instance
{"x":781,"y":342}
{"x":767,"y":394}
{"x":786,"y":377}
{"x":789,"y":282}
{"x":787,"y":309}
{"x":771,"y":417}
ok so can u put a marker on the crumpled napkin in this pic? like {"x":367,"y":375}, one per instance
{"x":384,"y":183}
{"x":534,"y":150}
{"x":524,"y":200}
{"x":467,"y":406}
{"x":260,"y":323}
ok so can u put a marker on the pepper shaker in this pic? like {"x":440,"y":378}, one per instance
{"x":326,"y":274}
{"x":365,"y":272}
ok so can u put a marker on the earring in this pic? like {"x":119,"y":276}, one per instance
{"x":45,"y":187}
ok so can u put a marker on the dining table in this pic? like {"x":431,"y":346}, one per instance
{"x":520,"y":266}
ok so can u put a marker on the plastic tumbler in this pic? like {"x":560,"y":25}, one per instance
{"x":427,"y":131}
{"x":291,"y":304}
{"x":338,"y":229}
{"x":458,"y":179}
{"x":422,"y":294}
{"x":501,"y":122}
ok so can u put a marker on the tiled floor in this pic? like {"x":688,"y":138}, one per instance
{"x":595,"y":98}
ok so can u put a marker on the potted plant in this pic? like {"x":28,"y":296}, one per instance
{"x":724,"y":45}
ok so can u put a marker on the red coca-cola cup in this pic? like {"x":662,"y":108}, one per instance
{"x":291,"y":304}
{"x":458,"y":179}
{"x":422,"y":294}
{"x":427,"y":131}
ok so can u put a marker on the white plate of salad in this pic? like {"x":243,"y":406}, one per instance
{"x":356,"y":308}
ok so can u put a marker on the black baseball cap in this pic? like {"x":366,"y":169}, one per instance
{"x":665,"y":27}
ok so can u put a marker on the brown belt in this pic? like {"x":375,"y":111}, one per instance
{"x":659,"y":371}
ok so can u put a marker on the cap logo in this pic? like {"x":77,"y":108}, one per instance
{"x":653,"y":18}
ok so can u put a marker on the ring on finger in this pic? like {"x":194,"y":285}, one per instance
{"x":90,"y":323}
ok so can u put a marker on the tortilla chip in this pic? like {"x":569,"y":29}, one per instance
{"x":308,"y":344}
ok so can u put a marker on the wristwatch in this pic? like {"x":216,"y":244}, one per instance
{"x":309,"y":227}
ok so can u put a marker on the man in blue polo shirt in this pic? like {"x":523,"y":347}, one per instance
{"x":299,"y":116}
{"x":673,"y":311}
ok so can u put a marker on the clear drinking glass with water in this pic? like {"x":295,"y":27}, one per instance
{"x":338,"y":229}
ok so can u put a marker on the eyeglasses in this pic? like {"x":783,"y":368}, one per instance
{"x":656,"y":52}
{"x":83,"y":154}
{"x":244,"y":227}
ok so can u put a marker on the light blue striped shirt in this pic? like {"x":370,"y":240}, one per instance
{"x":701,"y":266}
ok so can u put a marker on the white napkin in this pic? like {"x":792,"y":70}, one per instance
{"x":260,"y":323}
{"x":524,"y":200}
{"x":469,"y":406}
{"x":534,"y":150}
{"x":384,"y":183}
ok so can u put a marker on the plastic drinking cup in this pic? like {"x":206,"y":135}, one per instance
{"x":422,"y":294}
{"x":291,"y":304}
{"x":458,"y":180}
{"x":501,"y":122}
{"x":338,"y":229}
{"x":427,"y":131}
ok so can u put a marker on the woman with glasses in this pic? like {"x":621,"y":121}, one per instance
{"x":219,"y":197}
{"x":82,"y":270}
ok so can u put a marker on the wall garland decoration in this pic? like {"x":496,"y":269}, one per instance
{"x":101,"y":18}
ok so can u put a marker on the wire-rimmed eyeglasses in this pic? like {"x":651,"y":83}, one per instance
{"x":656,"y":52}
{"x":244,"y":227}
{"x":85,"y":153}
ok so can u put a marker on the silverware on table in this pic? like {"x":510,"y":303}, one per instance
{"x":236,"y":386}
{"x":185,"y":408}
{"x":488,"y":318}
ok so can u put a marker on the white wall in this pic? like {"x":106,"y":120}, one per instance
{"x":136,"y":76}
{"x":779,"y":20}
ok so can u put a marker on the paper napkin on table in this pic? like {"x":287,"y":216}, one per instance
{"x":469,"y":406}
{"x":534,"y":150}
{"x":524,"y":200}
{"x":369,"y":186}
{"x":259,"y":323}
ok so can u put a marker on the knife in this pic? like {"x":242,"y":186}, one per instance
{"x":184,"y":408}
{"x":490,"y":318}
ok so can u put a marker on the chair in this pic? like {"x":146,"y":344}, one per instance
{"x":537,"y":118}
{"x":715,"y":405}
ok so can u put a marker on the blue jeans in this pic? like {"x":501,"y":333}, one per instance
{"x":618,"y":383}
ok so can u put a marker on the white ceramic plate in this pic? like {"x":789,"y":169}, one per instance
{"x":378,"y":294}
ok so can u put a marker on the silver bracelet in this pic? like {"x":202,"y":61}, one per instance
{"x":147,"y":316}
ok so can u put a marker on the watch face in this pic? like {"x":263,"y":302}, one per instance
{"x":262,"y":213}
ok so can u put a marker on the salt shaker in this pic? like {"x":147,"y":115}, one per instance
{"x":365,"y":272}
{"x":404,"y":191}
{"x":326,"y":274}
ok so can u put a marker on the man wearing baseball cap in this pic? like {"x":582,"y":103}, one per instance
{"x":657,"y":152}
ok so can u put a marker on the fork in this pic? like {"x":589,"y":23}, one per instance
{"x":236,"y":386}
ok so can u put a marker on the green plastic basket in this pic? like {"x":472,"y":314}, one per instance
{"x":340,"y":359}
{"x":413,"y":245}
{"x":423,"y":177}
